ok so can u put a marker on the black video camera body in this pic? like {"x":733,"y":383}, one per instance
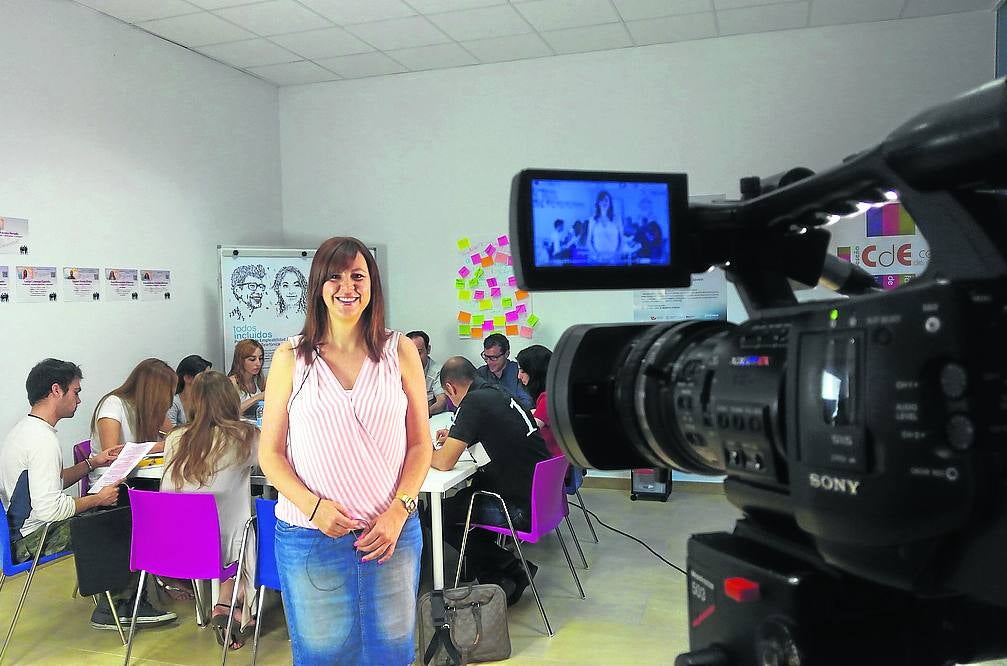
{"x":863,"y":437}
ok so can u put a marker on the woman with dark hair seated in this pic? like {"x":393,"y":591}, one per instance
{"x":188,"y":368}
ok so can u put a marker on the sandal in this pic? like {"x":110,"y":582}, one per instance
{"x":218,"y":623}
{"x":175,"y":592}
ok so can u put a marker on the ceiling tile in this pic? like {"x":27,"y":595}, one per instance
{"x":274,"y":17}
{"x":361,"y":65}
{"x":933,"y":7}
{"x":346,"y":12}
{"x":292,"y":73}
{"x":249,"y":53}
{"x":591,"y":38}
{"x":132,"y":11}
{"x":832,"y":12}
{"x":734,"y":4}
{"x":436,"y":6}
{"x":560,"y":14}
{"x":672,"y":29}
{"x":512,"y":47}
{"x":482,"y":23}
{"x":196,"y":29}
{"x":438,"y":56}
{"x":327,"y":43}
{"x":634,"y":10}
{"x":763,"y":19}
{"x":403,"y":33}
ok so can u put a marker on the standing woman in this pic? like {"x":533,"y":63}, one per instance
{"x":187,"y":369}
{"x":346,"y":442}
{"x":604,"y":236}
{"x":246,"y":374}
{"x":532,"y":367}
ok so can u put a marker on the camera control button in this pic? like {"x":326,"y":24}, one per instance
{"x":932,"y":325}
{"x":961,"y":432}
{"x":735,"y":458}
{"x":954,"y":381}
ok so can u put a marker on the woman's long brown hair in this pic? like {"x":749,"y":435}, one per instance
{"x":242,"y":350}
{"x":215,"y":436}
{"x":147,"y":394}
{"x":334,"y":256}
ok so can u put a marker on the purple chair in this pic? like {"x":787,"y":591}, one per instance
{"x":548,"y":509}
{"x":82,"y":452}
{"x":192,"y":552}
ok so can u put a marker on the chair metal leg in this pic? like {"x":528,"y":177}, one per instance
{"x":73,"y":595}
{"x":132,"y":619}
{"x":234,"y":591}
{"x":587,"y":516}
{"x":200,"y":607}
{"x":3,"y":577}
{"x":94,"y":599}
{"x":24,"y":592}
{"x":576,"y":542}
{"x":258,"y":623}
{"x":573,"y":572}
{"x":115,"y":615}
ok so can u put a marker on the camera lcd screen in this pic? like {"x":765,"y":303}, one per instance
{"x":600,"y":229}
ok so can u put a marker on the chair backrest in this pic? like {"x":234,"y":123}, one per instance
{"x":101,"y":550}
{"x":265,"y":569}
{"x":548,"y":502}
{"x":175,"y":534}
{"x":82,"y":452}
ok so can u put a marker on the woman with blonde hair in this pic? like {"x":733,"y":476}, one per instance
{"x":214,"y":453}
{"x":136,"y":411}
{"x":246,"y":375}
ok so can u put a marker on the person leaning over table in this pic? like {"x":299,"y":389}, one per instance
{"x":33,"y":481}
{"x":346,"y":442}
{"x":187,"y":370}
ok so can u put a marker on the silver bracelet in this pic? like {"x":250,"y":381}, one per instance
{"x":87,"y":462}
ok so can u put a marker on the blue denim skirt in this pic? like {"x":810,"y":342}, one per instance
{"x":344,"y":611}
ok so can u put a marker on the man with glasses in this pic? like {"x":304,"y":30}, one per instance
{"x":248,"y":287}
{"x":500,"y":370}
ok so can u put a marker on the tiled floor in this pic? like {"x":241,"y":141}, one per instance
{"x":634,"y":612}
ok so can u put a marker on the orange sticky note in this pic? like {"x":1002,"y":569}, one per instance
{"x":464,"y":317}
{"x":487,"y":261}
{"x":520,"y":295}
{"x":512,"y":330}
{"x":476,"y":333}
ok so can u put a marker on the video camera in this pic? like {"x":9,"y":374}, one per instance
{"x":864,"y":438}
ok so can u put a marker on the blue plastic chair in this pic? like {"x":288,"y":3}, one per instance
{"x":266,"y":574}
{"x":11,"y":569}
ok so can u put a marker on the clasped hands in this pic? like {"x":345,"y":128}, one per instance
{"x":378,"y":538}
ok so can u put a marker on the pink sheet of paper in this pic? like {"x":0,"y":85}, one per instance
{"x":502,"y":240}
{"x":525,"y":332}
{"x":501,"y":257}
{"x":491,"y":282}
{"x":495,"y":292}
{"x":476,"y":259}
{"x":512,"y":315}
{"x":464,"y":271}
{"x":521,"y":308}
{"x":488,"y":325}
{"x":511,"y":281}
{"x":478,"y":295}
{"x":490,"y":249}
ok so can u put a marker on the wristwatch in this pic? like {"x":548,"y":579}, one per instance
{"x":408,"y":502}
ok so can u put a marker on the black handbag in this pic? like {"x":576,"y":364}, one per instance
{"x":463,"y":625}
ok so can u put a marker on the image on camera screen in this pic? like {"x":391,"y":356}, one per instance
{"x":600,"y":223}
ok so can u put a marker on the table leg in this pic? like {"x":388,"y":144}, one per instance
{"x":437,"y":535}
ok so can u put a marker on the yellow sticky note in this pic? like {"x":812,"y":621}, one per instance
{"x":499,"y":320}
{"x":486,"y":304}
{"x":464,"y":317}
{"x":464,"y":295}
{"x":464,"y":244}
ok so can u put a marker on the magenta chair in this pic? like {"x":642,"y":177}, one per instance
{"x":548,"y":509}
{"x":82,"y":452}
{"x":157,"y":548}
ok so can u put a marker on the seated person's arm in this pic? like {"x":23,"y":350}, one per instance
{"x":251,"y":400}
{"x":78,"y":471}
{"x":439,"y":404}
{"x":445,"y":458}
{"x":109,"y":433}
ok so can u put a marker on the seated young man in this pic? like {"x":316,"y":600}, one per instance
{"x":33,"y":480}
{"x":507,"y":445}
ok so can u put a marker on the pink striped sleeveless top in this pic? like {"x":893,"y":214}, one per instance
{"x":347,"y":446}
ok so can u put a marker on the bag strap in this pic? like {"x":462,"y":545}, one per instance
{"x":477,"y":617}
{"x":442,"y":633}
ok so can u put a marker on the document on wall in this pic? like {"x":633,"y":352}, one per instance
{"x":35,"y":284}
{"x":13,"y":235}
{"x":128,"y":458}
{"x":81,"y":284}
{"x":155,"y":285}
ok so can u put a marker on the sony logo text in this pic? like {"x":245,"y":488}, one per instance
{"x":834,"y":483}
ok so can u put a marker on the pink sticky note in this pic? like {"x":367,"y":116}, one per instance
{"x":495,"y":292}
{"x":521,"y":308}
{"x":478,"y":295}
{"x":491,"y":282}
{"x":490,"y":249}
{"x":464,"y":272}
{"x":511,"y":281}
{"x":476,"y":259}
{"x":502,"y":240}
{"x":512,"y":315}
{"x":510,"y":262}
{"x":525,"y":332}
{"x":488,"y":325}
{"x":501,"y":257}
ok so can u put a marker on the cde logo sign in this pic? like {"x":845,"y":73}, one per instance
{"x":872,"y":256}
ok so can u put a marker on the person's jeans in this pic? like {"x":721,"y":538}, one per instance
{"x":344,"y":611}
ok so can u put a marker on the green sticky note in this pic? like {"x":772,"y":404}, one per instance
{"x":486,"y":304}
{"x":507,"y":303}
{"x":477,"y":320}
{"x":473,"y":283}
{"x":532,"y":320}
{"x":459,"y":283}
{"x":478,"y":273}
{"x":499,"y":320}
{"x":463,"y":243}
{"x":465,"y":330}
{"x":464,"y":295}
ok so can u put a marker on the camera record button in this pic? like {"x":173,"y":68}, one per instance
{"x":961,"y":432}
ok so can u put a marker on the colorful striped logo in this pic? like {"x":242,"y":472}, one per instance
{"x":844,"y":253}
{"x":890,"y":220}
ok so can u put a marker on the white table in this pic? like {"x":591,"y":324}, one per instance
{"x":435,"y":485}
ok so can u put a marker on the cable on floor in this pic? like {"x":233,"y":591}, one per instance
{"x":631,"y":537}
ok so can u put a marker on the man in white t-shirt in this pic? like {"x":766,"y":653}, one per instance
{"x":33,"y":480}
{"x":436,"y":398}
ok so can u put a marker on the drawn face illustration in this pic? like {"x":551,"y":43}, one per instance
{"x":250,"y":292}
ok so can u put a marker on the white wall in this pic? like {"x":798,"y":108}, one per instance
{"x":124,"y":150}
{"x":416,"y":160}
